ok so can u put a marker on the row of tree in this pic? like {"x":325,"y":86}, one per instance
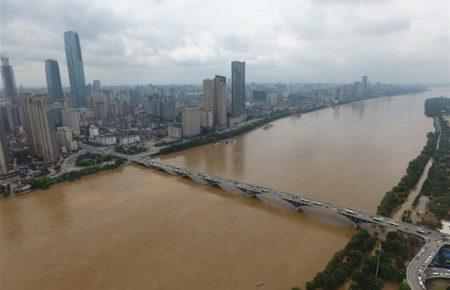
{"x":129,"y":149}
{"x":89,"y":159}
{"x":389,"y":264}
{"x":437,"y":184}
{"x":45,"y":182}
{"x":368,"y":269}
{"x":398,"y":195}
{"x":343,"y":263}
{"x":211,"y":138}
{"x":386,"y":265}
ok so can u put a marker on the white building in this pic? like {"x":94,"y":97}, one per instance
{"x":93,"y":131}
{"x":105,"y":140}
{"x":206,"y":118}
{"x":175,"y":131}
{"x":131,"y":139}
{"x":191,"y":121}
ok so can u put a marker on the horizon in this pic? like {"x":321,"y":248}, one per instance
{"x":392,"y":41}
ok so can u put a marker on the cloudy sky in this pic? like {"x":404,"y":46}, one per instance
{"x":185,"y":41}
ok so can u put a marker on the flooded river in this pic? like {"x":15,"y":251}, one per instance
{"x":136,"y":228}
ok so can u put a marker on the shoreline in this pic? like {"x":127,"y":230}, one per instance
{"x":228,"y":134}
{"x":216,"y":137}
{"x":431,"y":139}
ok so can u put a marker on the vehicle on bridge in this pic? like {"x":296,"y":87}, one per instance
{"x":378,"y":219}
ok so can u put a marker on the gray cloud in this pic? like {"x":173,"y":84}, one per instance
{"x":140,"y":41}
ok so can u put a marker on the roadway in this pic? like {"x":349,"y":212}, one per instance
{"x":416,"y":276}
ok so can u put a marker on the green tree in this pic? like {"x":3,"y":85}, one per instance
{"x":405,"y":286}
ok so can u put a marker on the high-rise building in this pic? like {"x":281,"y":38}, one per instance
{"x":75,"y":68}
{"x":5,"y":152}
{"x":7,"y":119}
{"x":215,"y":100}
{"x":364,"y":83}
{"x":220,"y":102}
{"x":40,"y":126}
{"x":101,"y":109}
{"x":9,"y":82}
{"x":168,"y":110}
{"x":155,"y":108}
{"x":71,"y":118}
{"x":208,"y":94}
{"x":96,"y":87}
{"x":191,"y":121}
{"x":65,"y":139}
{"x":53,"y":77}
{"x":237,"y":88}
{"x":206,"y":119}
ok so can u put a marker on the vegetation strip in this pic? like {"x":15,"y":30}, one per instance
{"x":202,"y":140}
{"x":396,"y":250}
{"x":45,"y":182}
{"x":437,"y":184}
{"x":357,"y":262}
{"x":398,"y":195}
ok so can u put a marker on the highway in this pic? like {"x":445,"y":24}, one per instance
{"x":417,"y":270}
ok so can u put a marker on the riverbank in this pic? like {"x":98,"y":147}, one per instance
{"x":437,"y":185}
{"x":367,"y":266}
{"x":400,"y":193}
{"x":394,"y":269}
{"x":317,"y":155}
{"x":172,"y":147}
{"x":107,"y":163}
{"x":212,"y":138}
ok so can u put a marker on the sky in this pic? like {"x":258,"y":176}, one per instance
{"x":129,"y":42}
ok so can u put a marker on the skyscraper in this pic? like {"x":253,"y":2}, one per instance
{"x":5,"y":152}
{"x":220,"y":102}
{"x":75,"y":68}
{"x":191,"y":121}
{"x":168,"y":110}
{"x":40,"y":126}
{"x":96,"y":86}
{"x":53,"y":77}
{"x":215,"y":100}
{"x":364,"y":83}
{"x":237,"y":88}
{"x":9,"y":82}
{"x":208,"y":94}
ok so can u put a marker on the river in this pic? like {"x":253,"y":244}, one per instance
{"x":136,"y":228}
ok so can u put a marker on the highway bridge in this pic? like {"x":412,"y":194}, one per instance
{"x":417,"y":272}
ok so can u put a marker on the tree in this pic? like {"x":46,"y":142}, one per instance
{"x":405,"y":286}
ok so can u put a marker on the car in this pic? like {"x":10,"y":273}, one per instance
{"x":392,"y":223}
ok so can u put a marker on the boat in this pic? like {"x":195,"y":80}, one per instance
{"x":215,"y":144}
{"x":22,"y":189}
{"x":267,"y":126}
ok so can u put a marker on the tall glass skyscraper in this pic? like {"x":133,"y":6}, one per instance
{"x":53,"y":77}
{"x":237,"y":88}
{"x":9,"y":82}
{"x":75,"y":68}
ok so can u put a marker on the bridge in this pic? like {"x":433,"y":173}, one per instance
{"x":417,"y":272}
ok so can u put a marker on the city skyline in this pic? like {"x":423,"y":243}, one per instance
{"x":316,"y":43}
